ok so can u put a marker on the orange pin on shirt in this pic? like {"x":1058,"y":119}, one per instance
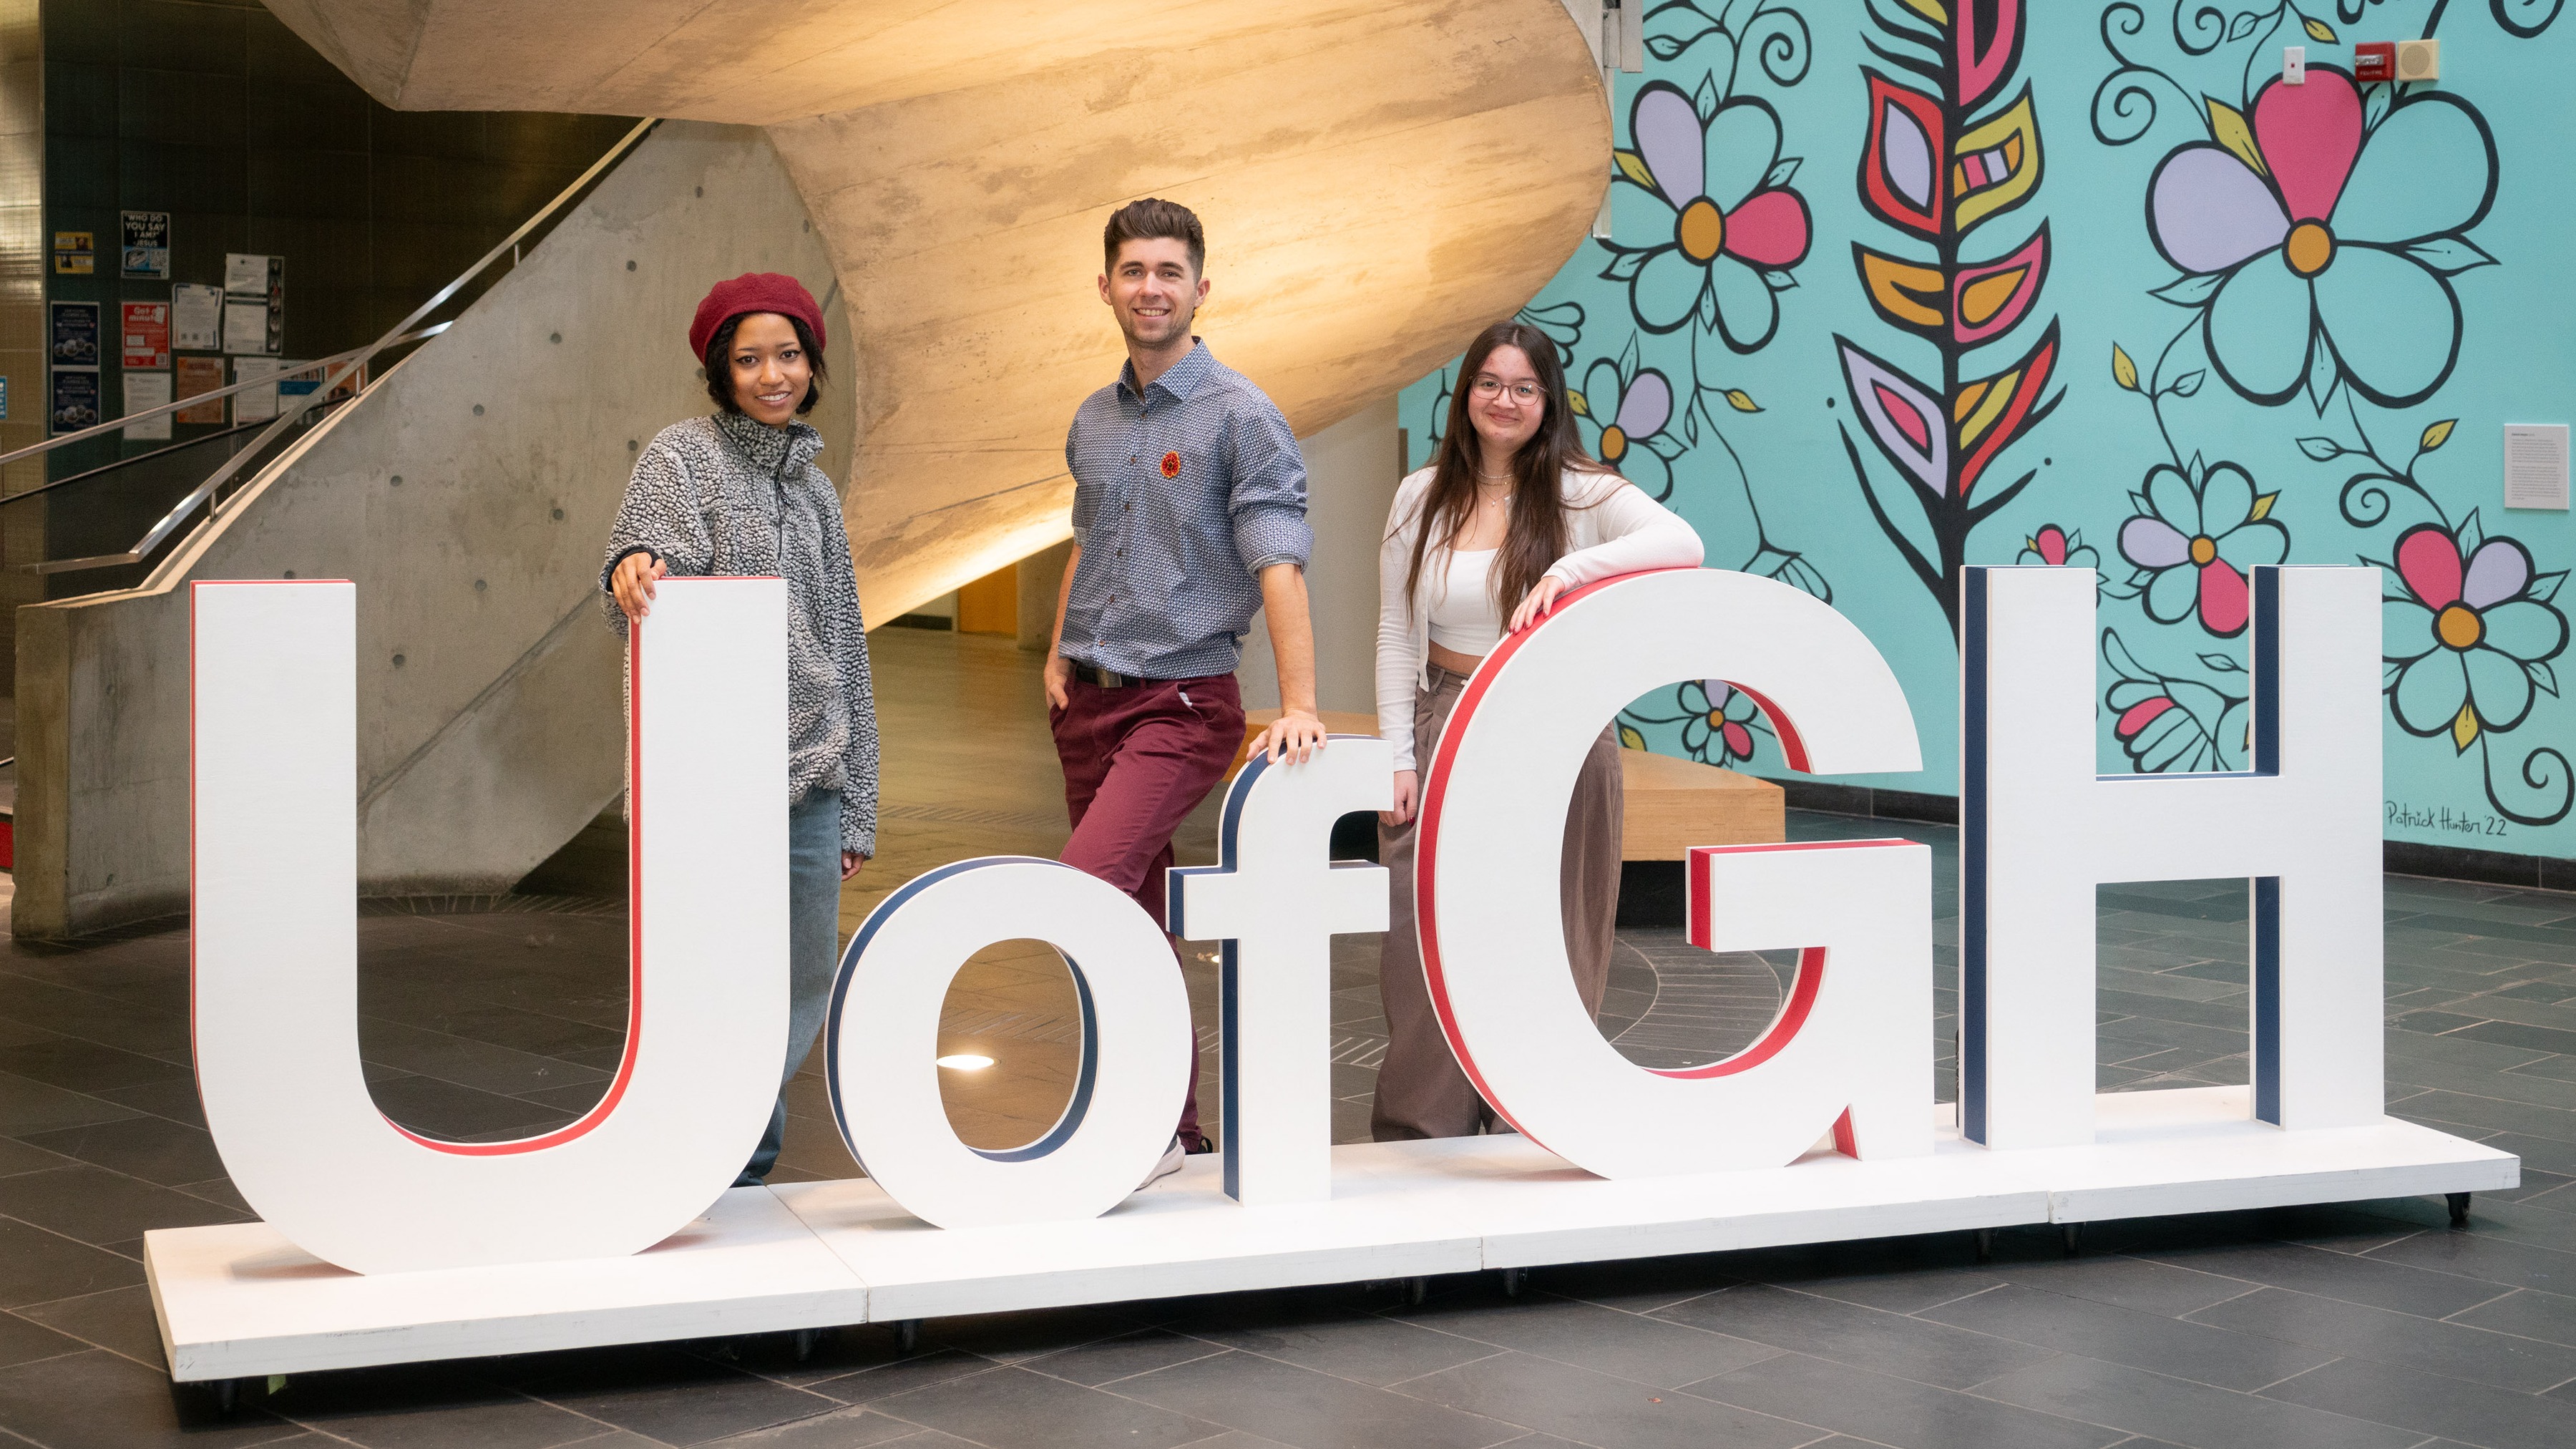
{"x":1171,"y":465}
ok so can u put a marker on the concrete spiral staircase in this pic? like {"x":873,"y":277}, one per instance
{"x":1378,"y":180}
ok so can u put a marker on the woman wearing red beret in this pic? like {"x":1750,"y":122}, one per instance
{"x":737,"y":493}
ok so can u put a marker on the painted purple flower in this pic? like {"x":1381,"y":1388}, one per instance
{"x":2193,"y":541}
{"x":2320,"y":246}
{"x":1727,"y":224}
{"x":1624,"y":411}
{"x":2470,"y":634}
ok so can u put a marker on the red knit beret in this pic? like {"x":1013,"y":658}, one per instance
{"x":754,"y":292}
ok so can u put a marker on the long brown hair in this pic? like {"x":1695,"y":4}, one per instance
{"x":1534,"y":537}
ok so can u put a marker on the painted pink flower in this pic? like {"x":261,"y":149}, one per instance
{"x":2471,"y":635}
{"x":2057,"y":547}
{"x":1726,"y":225}
{"x":2193,"y":542}
{"x":2320,"y":245}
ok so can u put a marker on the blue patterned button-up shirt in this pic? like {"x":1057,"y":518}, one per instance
{"x":1182,"y":494}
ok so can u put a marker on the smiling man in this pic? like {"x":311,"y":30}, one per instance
{"x":1189,"y":514}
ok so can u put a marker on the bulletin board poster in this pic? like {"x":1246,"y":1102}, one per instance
{"x":75,"y":334}
{"x":198,"y":376}
{"x":147,"y":335}
{"x":75,"y":254}
{"x":75,"y":400}
{"x":251,"y":279}
{"x":146,"y":247}
{"x":145,"y":391}
{"x":196,"y":318}
{"x":257,"y":404}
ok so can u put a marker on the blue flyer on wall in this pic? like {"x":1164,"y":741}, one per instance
{"x":146,"y":249}
{"x":75,"y":333}
{"x":75,"y":400}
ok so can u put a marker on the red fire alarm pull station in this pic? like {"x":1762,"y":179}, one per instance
{"x":2375,"y":60}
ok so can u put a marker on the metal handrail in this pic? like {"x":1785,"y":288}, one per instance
{"x":41,"y":489}
{"x":343,"y":364}
{"x":195,"y":399}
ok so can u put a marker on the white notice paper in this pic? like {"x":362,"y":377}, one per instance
{"x":196,"y":318}
{"x":2535,"y":465}
{"x":256,"y":404}
{"x":246,"y":274}
{"x":246,"y":325}
{"x":146,"y":390}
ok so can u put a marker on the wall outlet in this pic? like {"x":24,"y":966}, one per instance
{"x":2419,"y":60}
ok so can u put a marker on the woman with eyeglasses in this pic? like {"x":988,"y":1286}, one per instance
{"x":1511,"y":514}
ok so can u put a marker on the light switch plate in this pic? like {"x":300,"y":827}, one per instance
{"x":2294,"y":65}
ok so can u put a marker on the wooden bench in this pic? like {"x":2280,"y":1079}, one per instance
{"x":1672,"y":804}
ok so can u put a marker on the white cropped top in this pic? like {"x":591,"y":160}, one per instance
{"x":1611,"y":528}
{"x":1464,"y":617}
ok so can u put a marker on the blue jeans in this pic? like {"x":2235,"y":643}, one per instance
{"x":813,"y":944}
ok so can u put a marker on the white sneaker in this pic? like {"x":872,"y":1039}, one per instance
{"x":1171,"y":1163}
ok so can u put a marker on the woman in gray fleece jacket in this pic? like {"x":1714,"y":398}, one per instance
{"x":738,"y":493}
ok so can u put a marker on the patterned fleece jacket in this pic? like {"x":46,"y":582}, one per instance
{"x":730,"y":496}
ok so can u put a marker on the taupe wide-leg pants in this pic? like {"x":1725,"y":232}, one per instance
{"x":1420,"y":1090}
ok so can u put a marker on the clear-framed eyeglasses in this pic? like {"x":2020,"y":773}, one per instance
{"x":1489,"y":387}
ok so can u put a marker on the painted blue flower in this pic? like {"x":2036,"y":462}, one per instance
{"x":2320,"y":246}
{"x":1727,"y":227}
{"x":1625,"y":413}
{"x":2193,"y":542}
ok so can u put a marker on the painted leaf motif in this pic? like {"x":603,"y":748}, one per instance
{"x":1901,"y":170}
{"x":2228,"y":128}
{"x":2123,"y":371}
{"x":2191,"y":290}
{"x":2438,"y":434}
{"x":2321,"y":449}
{"x":1582,"y":409}
{"x":1633,"y":167}
{"x":2321,"y":32}
{"x":2263,"y":506}
{"x":1742,"y":401}
{"x":2011,"y":404}
{"x":1997,"y":163}
{"x":1907,"y":294}
{"x":2448,"y":255}
{"x":1902,"y":417}
{"x":1988,"y":37}
{"x":1988,"y":298}
{"x":2188,"y":383}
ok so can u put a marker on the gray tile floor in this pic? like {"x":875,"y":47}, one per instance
{"x":2361,"y":1324}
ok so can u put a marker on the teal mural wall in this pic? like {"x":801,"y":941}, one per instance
{"x":1895,"y":286}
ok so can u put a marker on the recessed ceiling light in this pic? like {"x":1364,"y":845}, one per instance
{"x":965,"y":1062}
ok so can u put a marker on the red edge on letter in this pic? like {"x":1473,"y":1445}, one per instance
{"x":1792,"y":748}
{"x":634,"y":941}
{"x":1802,"y":994}
{"x":1426,"y":850}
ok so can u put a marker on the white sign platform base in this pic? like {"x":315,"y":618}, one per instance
{"x":238,"y":1301}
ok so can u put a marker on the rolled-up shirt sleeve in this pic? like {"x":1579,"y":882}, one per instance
{"x":1268,"y":506}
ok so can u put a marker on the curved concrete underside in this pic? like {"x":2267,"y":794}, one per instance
{"x":1378,"y":182}
{"x":1378,"y":179}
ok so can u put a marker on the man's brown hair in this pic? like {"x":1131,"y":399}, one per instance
{"x":1153,"y":217}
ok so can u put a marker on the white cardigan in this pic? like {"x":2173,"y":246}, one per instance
{"x":1613,"y":528}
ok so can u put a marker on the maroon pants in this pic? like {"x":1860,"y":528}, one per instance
{"x":1137,"y":760}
